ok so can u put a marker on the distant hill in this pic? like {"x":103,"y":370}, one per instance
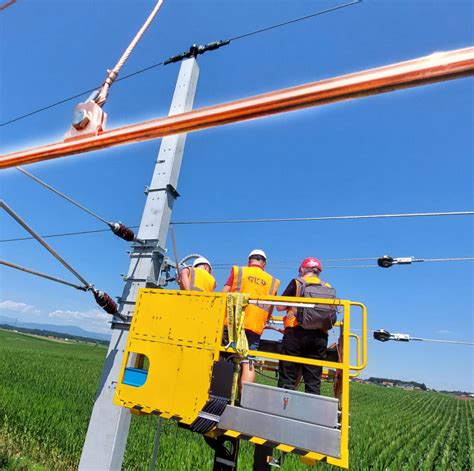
{"x":62,"y":329}
{"x":397,"y":382}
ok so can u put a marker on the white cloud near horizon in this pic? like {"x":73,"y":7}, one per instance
{"x":94,"y":320}
{"x":14,"y":306}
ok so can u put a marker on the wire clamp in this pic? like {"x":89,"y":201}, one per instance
{"x":88,"y":120}
{"x":196,"y":50}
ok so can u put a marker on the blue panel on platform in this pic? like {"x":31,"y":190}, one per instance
{"x":134,"y":377}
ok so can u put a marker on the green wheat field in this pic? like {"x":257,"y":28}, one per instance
{"x":47,"y":390}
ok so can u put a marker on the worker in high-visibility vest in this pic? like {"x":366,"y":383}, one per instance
{"x":198,"y":277}
{"x":253,"y":280}
{"x":300,"y":341}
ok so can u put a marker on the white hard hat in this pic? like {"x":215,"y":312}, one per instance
{"x":201,"y":261}
{"x":258,"y":252}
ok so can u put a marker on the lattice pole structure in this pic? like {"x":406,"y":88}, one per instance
{"x":108,"y":427}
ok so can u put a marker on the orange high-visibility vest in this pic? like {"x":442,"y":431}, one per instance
{"x":290,"y":319}
{"x":201,"y":280}
{"x":254,"y":281}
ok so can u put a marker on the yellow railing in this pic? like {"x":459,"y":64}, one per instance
{"x":347,"y":370}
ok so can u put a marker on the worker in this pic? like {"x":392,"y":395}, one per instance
{"x":310,"y":341}
{"x":198,"y":277}
{"x":252,"y":280}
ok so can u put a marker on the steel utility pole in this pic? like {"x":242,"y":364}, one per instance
{"x":108,"y":427}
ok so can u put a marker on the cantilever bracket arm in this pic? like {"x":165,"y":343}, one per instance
{"x":39,"y":239}
{"x":432,"y":68}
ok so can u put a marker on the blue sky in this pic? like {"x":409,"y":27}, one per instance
{"x":408,"y":151}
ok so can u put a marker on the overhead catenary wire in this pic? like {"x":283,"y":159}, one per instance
{"x":62,"y":195}
{"x":158,"y":64}
{"x":269,"y":220}
{"x":294,"y":20}
{"x":119,"y":229}
{"x":79,"y":95}
{"x":384,"y":336}
{"x":458,"y":259}
{"x":227,"y":266}
{"x":324,"y":218}
{"x":292,"y":262}
{"x":454,"y":342}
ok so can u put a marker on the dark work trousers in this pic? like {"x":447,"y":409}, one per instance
{"x":302,"y":343}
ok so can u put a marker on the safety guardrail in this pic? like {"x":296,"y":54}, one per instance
{"x":347,"y":369}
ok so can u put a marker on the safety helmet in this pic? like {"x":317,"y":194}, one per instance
{"x":311,"y":263}
{"x":258,"y":252}
{"x":202,"y":261}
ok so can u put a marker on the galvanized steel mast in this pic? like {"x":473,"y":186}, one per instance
{"x":108,"y":427}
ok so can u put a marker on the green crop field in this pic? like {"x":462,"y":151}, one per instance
{"x":47,"y":390}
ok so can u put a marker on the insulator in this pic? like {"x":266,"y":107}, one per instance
{"x":106,"y":302}
{"x":122,"y":231}
{"x":386,"y":261}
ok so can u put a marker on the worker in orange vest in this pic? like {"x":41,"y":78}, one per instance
{"x":300,"y":341}
{"x":253,"y":280}
{"x":198,"y":277}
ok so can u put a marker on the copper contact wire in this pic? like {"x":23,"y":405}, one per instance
{"x":428,"y":69}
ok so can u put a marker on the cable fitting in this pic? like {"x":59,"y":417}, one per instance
{"x":88,"y":120}
{"x":196,"y":50}
{"x":111,"y":76}
{"x":386,"y":261}
{"x":384,"y":336}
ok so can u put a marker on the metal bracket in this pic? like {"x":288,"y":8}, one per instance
{"x":169,"y":188}
{"x":165,"y":276}
{"x":120,"y":325}
{"x":174,"y":192}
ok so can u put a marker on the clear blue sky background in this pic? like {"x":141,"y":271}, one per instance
{"x":408,"y":151}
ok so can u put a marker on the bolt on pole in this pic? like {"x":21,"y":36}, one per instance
{"x":107,"y":433}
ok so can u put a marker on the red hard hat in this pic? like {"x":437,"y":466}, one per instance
{"x":311,"y":262}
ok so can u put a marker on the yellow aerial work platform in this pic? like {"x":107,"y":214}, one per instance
{"x":175,"y":366}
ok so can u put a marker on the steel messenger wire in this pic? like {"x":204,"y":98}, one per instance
{"x":326,"y":218}
{"x":421,"y":339}
{"x":158,"y":64}
{"x":455,"y":342}
{"x":62,"y":195}
{"x":294,"y":20}
{"x":119,"y":229}
{"x":269,"y":220}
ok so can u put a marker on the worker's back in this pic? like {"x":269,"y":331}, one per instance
{"x":255,"y":281}
{"x":311,"y":279}
{"x":201,"y":280}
